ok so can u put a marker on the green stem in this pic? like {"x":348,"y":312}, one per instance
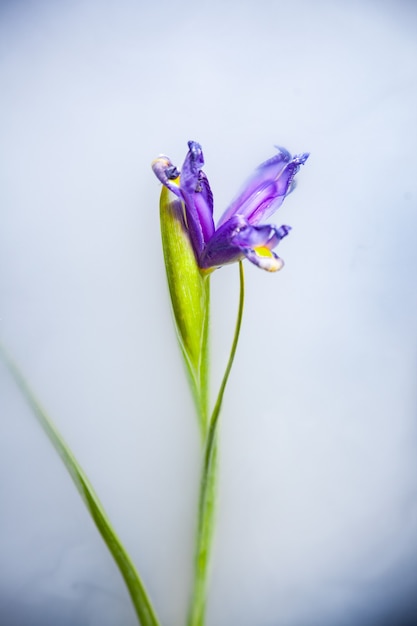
{"x":208,"y":486}
{"x":216,"y":411}
{"x":142,"y":605}
{"x":203,"y":369}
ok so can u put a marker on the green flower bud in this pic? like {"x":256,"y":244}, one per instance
{"x":190,"y":293}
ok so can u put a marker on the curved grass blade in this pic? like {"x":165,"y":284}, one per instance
{"x":139,"y":597}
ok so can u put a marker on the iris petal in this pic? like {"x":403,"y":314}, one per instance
{"x":220,"y":250}
{"x":264,"y":174}
{"x":237,"y":238}
{"x":265,"y":236}
{"x":239,"y":233}
{"x":167,"y":173}
{"x":265,"y":191}
{"x":268,"y":262}
{"x":203,"y":201}
{"x":197,"y":196}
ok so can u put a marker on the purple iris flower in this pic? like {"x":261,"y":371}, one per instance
{"x":239,"y":233}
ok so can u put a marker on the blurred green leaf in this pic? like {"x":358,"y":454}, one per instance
{"x":140,"y":599}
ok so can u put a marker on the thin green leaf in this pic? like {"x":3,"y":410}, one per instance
{"x":140,"y":599}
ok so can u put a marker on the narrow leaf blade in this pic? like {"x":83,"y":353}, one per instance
{"x":136,"y":588}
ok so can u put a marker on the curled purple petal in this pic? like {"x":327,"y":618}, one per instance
{"x":270,"y":197}
{"x":220,"y":250}
{"x":265,"y":191}
{"x":237,"y":238}
{"x":255,"y":236}
{"x":198,"y":199}
{"x":263,"y":175}
{"x":203,"y":201}
{"x":167,"y":173}
{"x":193,"y":163}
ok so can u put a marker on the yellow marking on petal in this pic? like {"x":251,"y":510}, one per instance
{"x":268,"y":261}
{"x":207,"y":271}
{"x":263,"y":251}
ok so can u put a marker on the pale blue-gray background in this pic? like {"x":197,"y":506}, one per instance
{"x":318,"y":505}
